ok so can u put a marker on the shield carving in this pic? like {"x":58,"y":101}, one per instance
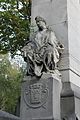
{"x":35,"y":95}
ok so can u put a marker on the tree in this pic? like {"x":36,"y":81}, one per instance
{"x":15,"y":16}
{"x":10,"y":80}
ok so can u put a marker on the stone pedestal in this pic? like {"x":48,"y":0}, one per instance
{"x":40,"y":98}
{"x":70,"y":102}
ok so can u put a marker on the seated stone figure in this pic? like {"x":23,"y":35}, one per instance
{"x":42,"y":52}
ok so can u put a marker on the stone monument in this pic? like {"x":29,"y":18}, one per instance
{"x":41,"y":85}
{"x":63,"y":16}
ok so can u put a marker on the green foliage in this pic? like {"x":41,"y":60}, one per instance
{"x":15,"y":16}
{"x":10,"y":80}
{"x":14,"y":24}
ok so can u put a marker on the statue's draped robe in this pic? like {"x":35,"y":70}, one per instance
{"x":41,"y":52}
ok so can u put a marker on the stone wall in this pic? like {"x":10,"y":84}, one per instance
{"x":7,"y":116}
{"x":74,"y":40}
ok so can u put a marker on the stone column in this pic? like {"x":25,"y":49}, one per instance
{"x":64,"y":18}
{"x":71,"y":86}
{"x":40,"y":99}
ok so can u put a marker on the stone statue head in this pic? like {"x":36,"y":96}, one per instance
{"x":41,"y":23}
{"x":38,"y":18}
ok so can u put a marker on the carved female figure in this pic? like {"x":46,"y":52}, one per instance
{"x":42,"y":52}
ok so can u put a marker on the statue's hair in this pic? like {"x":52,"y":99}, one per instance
{"x":38,"y":18}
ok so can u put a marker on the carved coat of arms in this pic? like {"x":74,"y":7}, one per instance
{"x":35,"y":95}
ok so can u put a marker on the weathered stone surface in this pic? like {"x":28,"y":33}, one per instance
{"x":41,"y":98}
{"x":7,"y":116}
{"x":56,"y":18}
{"x":64,"y":18}
{"x":43,"y":51}
{"x":74,"y":40}
{"x":70,"y":101}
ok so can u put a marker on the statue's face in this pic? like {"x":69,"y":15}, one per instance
{"x":41,"y":24}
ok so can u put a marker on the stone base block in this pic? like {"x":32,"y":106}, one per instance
{"x":40,"y":98}
{"x":70,"y":102}
{"x":7,"y":116}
